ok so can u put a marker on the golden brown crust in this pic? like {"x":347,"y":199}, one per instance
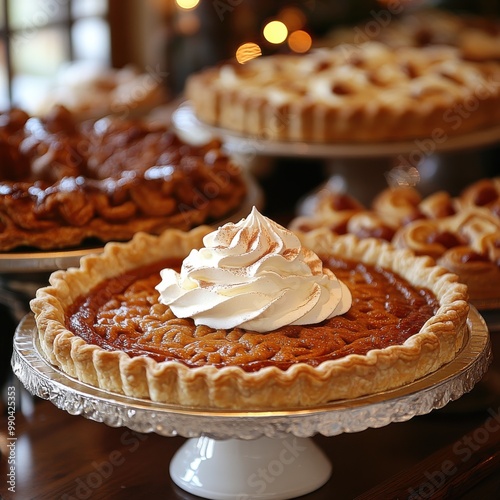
{"x":230,"y":386}
{"x":368,"y":94}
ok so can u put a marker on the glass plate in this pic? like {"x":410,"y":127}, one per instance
{"x":420,"y":397}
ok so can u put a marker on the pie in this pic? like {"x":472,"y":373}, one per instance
{"x":103,"y":324}
{"x":476,"y":37}
{"x":63,"y":182}
{"x":91,"y":91}
{"x":370,"y":92}
{"x":461,"y":233}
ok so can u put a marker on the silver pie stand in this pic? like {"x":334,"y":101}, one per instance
{"x":231,"y":454}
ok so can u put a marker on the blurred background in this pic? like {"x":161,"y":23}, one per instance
{"x":169,"y":39}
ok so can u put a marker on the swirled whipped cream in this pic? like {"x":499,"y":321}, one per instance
{"x":254,"y":275}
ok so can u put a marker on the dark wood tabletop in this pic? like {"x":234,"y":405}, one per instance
{"x":453,"y":452}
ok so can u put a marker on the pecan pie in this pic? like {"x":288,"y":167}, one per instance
{"x":461,"y":233}
{"x":372,"y":93}
{"x":105,"y":325}
{"x":63,"y":181}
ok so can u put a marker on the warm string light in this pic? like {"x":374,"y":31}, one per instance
{"x":187,"y":4}
{"x":247,"y":52}
{"x":275,"y":32}
{"x":300,"y":41}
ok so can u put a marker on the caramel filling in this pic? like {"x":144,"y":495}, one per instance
{"x":124,"y":314}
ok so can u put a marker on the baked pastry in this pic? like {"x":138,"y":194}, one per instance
{"x":461,"y":233}
{"x":63,"y":181}
{"x":385,"y":317}
{"x":372,"y":93}
{"x":476,"y":37}
{"x":90,"y":91}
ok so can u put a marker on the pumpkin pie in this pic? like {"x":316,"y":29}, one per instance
{"x":250,"y":316}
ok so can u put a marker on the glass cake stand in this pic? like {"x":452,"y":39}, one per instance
{"x":260,"y":454}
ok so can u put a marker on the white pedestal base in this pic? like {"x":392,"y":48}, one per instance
{"x":263,"y":468}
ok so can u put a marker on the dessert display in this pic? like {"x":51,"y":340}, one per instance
{"x":250,"y":316}
{"x":476,"y":37}
{"x":461,"y":233}
{"x":63,"y":182}
{"x":373,"y":93}
{"x":91,"y":91}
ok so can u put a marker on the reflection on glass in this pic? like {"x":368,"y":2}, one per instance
{"x":31,"y":14}
{"x":91,"y":40}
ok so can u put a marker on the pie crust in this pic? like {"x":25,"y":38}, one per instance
{"x":370,"y":93}
{"x":461,"y":233}
{"x":62,"y":182}
{"x":227,"y":387}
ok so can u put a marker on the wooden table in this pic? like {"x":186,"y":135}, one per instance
{"x":450,"y":453}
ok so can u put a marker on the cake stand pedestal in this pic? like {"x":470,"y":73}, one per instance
{"x":265,"y":454}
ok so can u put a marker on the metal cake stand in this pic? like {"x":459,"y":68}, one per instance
{"x":260,"y":454}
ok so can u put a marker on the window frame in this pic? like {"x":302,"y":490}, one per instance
{"x":114,"y":11}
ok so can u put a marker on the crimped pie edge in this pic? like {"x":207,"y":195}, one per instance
{"x":230,"y":387}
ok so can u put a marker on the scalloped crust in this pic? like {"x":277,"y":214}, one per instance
{"x":231,"y":387}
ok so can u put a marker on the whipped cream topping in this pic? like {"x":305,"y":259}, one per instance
{"x":254,"y":275}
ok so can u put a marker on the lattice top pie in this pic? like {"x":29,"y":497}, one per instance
{"x":366,"y":92}
{"x":62,"y":182}
{"x":106,"y":324}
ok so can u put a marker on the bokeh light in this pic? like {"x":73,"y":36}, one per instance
{"x":275,"y":32}
{"x":300,"y":41}
{"x":293,"y":18}
{"x":188,"y":24}
{"x":187,"y":4}
{"x":247,"y":52}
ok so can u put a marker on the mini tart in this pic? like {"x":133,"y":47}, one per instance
{"x":63,"y":182}
{"x":368,"y":93}
{"x":210,"y":386}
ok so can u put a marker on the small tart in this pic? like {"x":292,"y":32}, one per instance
{"x":370,"y":93}
{"x":215,"y":383}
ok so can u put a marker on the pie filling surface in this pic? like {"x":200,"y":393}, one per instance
{"x":123,"y":313}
